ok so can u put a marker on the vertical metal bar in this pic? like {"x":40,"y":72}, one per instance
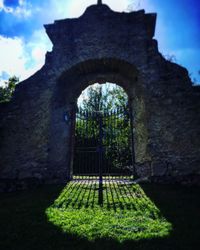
{"x":116,"y":134}
{"x":120,"y":118}
{"x":96,"y":144}
{"x":132,"y":142}
{"x":72,"y":142}
{"x":110,"y":142}
{"x":77,"y":143}
{"x":87,"y":118}
{"x":80,"y":143}
{"x":86,"y":154}
{"x":106,"y":142}
{"x":100,"y":160}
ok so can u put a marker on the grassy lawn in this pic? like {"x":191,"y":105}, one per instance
{"x":132,"y":217}
{"x":126,"y":213}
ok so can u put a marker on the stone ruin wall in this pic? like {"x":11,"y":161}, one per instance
{"x":101,"y":45}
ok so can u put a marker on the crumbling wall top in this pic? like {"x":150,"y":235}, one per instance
{"x":101,"y":13}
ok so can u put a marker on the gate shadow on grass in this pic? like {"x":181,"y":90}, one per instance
{"x":84,"y":194}
{"x":24,"y":224}
{"x":125,"y":214}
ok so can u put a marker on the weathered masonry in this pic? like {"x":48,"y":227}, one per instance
{"x":37,"y":126}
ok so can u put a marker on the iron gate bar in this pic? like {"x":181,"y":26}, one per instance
{"x":133,"y":143}
{"x":100,"y":159}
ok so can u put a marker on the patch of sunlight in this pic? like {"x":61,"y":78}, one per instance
{"x":126,"y":214}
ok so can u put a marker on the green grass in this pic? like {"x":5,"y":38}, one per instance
{"x":27,"y":220}
{"x":126,"y":214}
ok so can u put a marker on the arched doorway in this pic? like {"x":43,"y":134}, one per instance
{"x":69,"y":87}
{"x":104,"y":141}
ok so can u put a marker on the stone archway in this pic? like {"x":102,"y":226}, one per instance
{"x":69,"y":87}
{"x":101,"y":45}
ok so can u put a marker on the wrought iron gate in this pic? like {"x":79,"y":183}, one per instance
{"x":103,"y":143}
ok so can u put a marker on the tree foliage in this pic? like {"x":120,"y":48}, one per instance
{"x":7,"y":91}
{"x":104,"y":97}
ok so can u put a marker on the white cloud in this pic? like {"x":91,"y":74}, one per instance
{"x":23,"y":10}
{"x":21,"y":2}
{"x":38,"y":45}
{"x":77,"y":7}
{"x":68,"y":9}
{"x":12,"y":56}
{"x":20,"y":58}
{"x":1,"y":4}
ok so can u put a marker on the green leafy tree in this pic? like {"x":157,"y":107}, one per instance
{"x":7,"y":91}
{"x":104,"y":97}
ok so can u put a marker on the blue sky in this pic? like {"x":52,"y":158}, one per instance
{"x":23,"y":41}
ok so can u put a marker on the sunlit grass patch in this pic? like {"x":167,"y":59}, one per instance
{"x":127,"y":213}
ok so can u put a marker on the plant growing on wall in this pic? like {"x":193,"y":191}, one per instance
{"x":7,"y":91}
